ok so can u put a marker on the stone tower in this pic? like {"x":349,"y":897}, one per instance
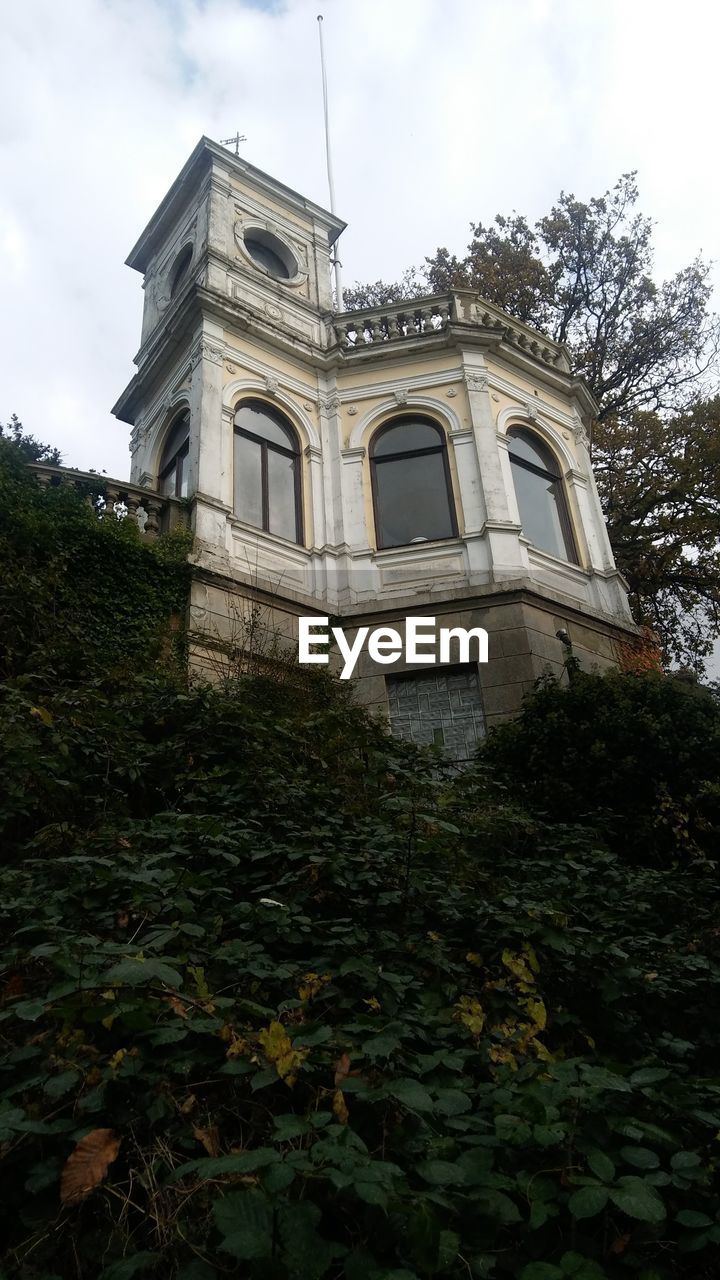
{"x":425,"y":459}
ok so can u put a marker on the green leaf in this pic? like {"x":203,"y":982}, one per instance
{"x":134,"y":973}
{"x":580,"y":1268}
{"x":56,"y":1086}
{"x":243,"y":1162}
{"x":244,"y":1219}
{"x":548,"y":1135}
{"x":288,"y":1127}
{"x":648,"y":1075}
{"x":638,"y":1200}
{"x":640,"y":1157}
{"x":692,"y":1218}
{"x":685,"y":1160}
{"x":441,"y":1172}
{"x":601,"y":1165}
{"x":411,"y":1094}
{"x":29,"y":1010}
{"x":587,"y":1202}
{"x":126,"y":1268}
{"x":541,"y":1271}
{"x":370,"y":1192}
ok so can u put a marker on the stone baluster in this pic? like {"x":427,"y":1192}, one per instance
{"x":44,"y":478}
{"x":374,"y":330}
{"x":154,"y":509}
{"x":132,"y":502}
{"x":112,"y":495}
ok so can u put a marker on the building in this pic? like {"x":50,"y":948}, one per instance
{"x":426,"y":459}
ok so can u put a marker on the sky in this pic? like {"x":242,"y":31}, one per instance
{"x":443,"y":112}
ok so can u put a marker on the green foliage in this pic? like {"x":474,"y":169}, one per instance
{"x":350,"y":1018}
{"x":79,"y":594}
{"x":638,"y":757}
{"x":27,"y":446}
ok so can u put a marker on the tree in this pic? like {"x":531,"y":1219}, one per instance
{"x":583,"y":274}
{"x":31,"y":449}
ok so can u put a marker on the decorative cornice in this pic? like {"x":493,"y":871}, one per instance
{"x":206,"y":351}
{"x":328,"y":404}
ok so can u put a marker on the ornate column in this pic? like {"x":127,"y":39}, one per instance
{"x":507,"y":556}
{"x":208,"y":468}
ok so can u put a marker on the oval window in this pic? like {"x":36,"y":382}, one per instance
{"x":268,"y":252}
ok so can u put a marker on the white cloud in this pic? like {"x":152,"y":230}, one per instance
{"x":443,"y":113}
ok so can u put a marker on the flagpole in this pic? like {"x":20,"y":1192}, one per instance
{"x":340,"y":302}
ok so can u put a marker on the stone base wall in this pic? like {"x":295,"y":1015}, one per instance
{"x":235,"y":627}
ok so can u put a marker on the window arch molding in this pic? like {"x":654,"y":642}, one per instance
{"x":411,"y":483}
{"x":267,"y":468}
{"x":256,"y":389}
{"x":538,"y":468}
{"x":426,"y":406}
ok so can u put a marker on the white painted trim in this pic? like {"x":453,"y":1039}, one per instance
{"x":449,"y":420}
{"x":239,"y":387}
{"x":157,"y":435}
{"x":517,"y":415}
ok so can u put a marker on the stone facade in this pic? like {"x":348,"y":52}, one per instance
{"x":238,"y":308}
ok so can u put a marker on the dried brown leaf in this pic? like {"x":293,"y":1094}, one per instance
{"x":88,"y":1164}
{"x":342,"y":1069}
{"x":210,"y":1139}
{"x":339,"y":1107}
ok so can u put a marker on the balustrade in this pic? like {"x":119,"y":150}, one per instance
{"x":153,"y":512}
{"x":391,"y":324}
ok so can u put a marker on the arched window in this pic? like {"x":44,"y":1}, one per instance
{"x":540,"y":495}
{"x":267,"y":471}
{"x":174,"y":460}
{"x":411,"y":483}
{"x":180,"y":268}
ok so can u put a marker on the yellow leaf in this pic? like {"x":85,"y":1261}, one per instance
{"x":107,"y":1022}
{"x":187,"y":1106}
{"x":535,"y":1008}
{"x":117,"y":1058}
{"x":434,"y":937}
{"x":237,"y":1049}
{"x":472,"y":957}
{"x":339,"y":1107}
{"x":373,"y":1003}
{"x":311,"y":984}
{"x":470,"y":1013}
{"x":201,"y":986}
{"x":523,"y":965}
{"x":278,"y":1049}
{"x":41,"y":713}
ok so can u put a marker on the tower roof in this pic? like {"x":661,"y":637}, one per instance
{"x":198,"y":163}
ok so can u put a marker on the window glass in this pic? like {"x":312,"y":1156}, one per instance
{"x":267,"y":257}
{"x":524,"y":446}
{"x":407,"y":436}
{"x":412,"y":500}
{"x":173,"y":480}
{"x":441,"y":708}
{"x":539,"y":499}
{"x":258,"y":420}
{"x":267,"y":476}
{"x":176,"y":439}
{"x":281,"y":494}
{"x":248,"y":480}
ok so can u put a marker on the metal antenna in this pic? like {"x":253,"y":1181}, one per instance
{"x":340,"y":302}
{"x":234,"y":142}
